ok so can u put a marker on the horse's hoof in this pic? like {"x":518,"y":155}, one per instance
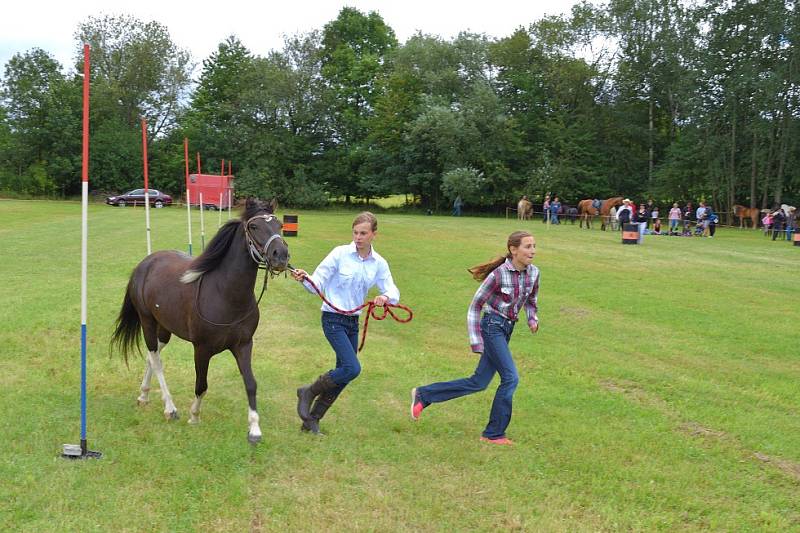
{"x":194,"y":420}
{"x":253,"y":439}
{"x":171,"y":415}
{"x":142,"y":403}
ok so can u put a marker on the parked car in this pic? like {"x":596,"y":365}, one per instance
{"x":136,"y":197}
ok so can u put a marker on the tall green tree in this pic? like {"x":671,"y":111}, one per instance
{"x":214,"y":120}
{"x":355,"y":47}
{"x":41,"y":114}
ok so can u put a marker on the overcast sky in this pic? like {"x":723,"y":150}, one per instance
{"x":200,"y":26}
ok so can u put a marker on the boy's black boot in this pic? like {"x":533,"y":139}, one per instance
{"x":321,"y":406}
{"x":306,"y":395}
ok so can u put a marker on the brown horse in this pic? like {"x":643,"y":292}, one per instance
{"x":587,"y":211}
{"x":742,"y":213}
{"x":207,"y":301}
{"x":524,"y":209}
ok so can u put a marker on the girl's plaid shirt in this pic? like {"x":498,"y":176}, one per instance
{"x":504,"y":291}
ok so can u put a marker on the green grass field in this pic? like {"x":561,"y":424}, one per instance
{"x":661,"y":393}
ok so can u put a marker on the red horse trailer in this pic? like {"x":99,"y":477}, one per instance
{"x":217,"y":190}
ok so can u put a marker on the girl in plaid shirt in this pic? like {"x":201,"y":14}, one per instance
{"x":509,"y":283}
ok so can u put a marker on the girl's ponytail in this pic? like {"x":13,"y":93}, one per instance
{"x":479,"y":272}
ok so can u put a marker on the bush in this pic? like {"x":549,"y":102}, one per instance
{"x":466,"y":182}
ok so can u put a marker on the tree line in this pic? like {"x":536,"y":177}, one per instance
{"x":663,"y":99}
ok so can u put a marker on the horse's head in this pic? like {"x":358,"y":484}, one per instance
{"x":263,"y":232}
{"x":615,"y":201}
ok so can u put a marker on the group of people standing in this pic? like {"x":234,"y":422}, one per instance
{"x":648,"y":217}
{"x":781,"y":221}
{"x":551,"y":209}
{"x":509,"y":283}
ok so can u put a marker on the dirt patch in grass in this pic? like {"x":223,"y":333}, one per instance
{"x":698,"y":430}
{"x":577,"y":312}
{"x":789,"y":468}
{"x":635,"y":392}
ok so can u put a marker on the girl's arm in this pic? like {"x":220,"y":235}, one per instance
{"x":482,"y":295}
{"x":532,"y":306}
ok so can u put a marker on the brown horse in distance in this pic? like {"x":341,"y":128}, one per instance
{"x":587,"y":212}
{"x":524,"y":209}
{"x":742,"y":213}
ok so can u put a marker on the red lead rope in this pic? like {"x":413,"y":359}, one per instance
{"x":387,"y":311}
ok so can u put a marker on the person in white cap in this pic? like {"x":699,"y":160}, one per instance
{"x":625,"y":213}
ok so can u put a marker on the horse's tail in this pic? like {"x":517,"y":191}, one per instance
{"x":126,"y":335}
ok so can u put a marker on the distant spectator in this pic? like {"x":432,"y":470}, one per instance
{"x":700,"y":214}
{"x":674,"y":218}
{"x":612,"y":215}
{"x":555,"y":208}
{"x":457,"y":203}
{"x":624,"y":213}
{"x":648,"y":210}
{"x":778,"y":220}
{"x":546,"y":207}
{"x":791,"y":225}
{"x":641,"y":218}
{"x":657,"y":226}
{"x":688,"y":216}
{"x":711,"y":222}
{"x":767,"y":223}
{"x":654,"y":216}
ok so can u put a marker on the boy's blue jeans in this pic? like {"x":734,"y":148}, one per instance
{"x":496,"y":357}
{"x":342,"y":334}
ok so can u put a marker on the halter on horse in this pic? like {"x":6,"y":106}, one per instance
{"x":207,"y":301}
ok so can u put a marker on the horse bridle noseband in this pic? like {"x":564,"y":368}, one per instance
{"x":260,"y":255}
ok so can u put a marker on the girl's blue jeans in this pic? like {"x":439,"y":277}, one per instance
{"x":496,"y":358}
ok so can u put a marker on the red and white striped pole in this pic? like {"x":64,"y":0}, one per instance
{"x":146,"y":186}
{"x":72,"y":451}
{"x":202,"y":226}
{"x":188,"y":198}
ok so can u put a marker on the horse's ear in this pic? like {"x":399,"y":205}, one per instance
{"x":272,"y":205}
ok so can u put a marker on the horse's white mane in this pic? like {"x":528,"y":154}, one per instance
{"x":190,"y":276}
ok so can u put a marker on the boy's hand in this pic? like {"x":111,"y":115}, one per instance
{"x":534,"y":326}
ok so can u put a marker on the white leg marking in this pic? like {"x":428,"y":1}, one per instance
{"x":255,"y":430}
{"x":170,"y":412}
{"x":194,"y":410}
{"x":144,"y":396}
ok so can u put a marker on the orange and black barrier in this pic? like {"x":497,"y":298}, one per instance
{"x":630,"y":234}
{"x":290,"y":225}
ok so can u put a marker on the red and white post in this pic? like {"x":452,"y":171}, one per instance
{"x":146,"y":187}
{"x":188,"y":198}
